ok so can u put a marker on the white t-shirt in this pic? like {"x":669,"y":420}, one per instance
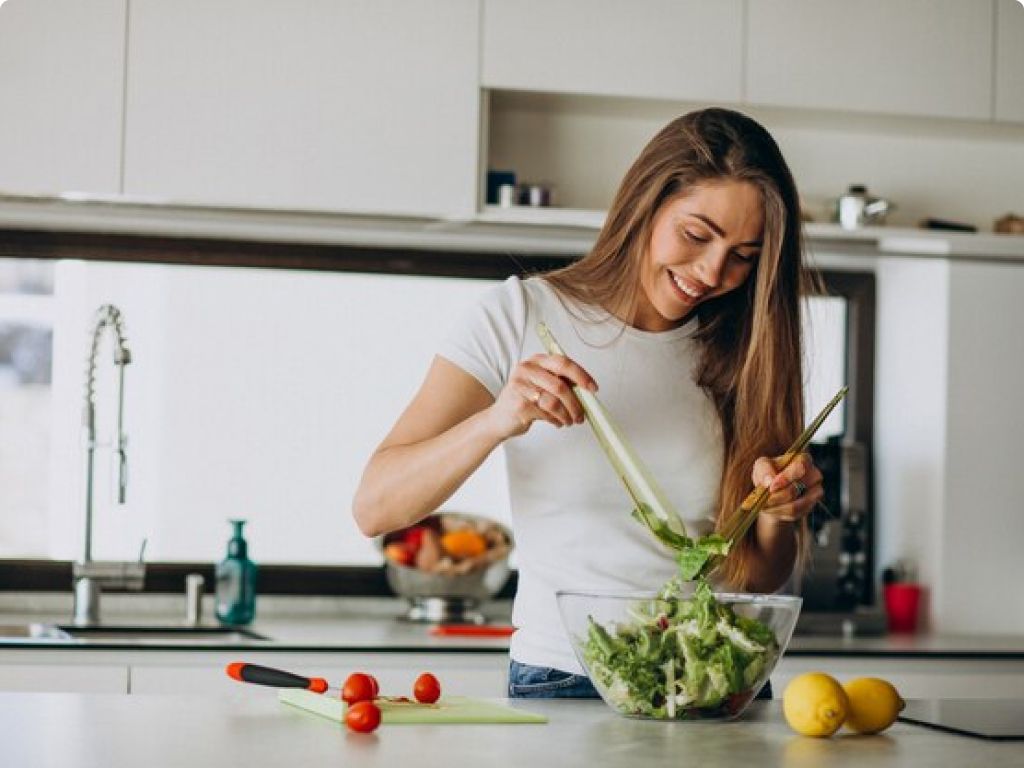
{"x":570,"y":512}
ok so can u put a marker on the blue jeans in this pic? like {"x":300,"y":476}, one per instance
{"x":529,"y":682}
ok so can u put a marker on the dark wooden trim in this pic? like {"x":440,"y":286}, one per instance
{"x":277,"y":579}
{"x":210,"y":252}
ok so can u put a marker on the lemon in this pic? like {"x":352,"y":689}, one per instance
{"x":814,"y":704}
{"x":874,"y":704}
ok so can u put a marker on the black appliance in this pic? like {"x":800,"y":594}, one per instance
{"x":838,"y":577}
{"x":838,"y":582}
{"x":1001,"y":719}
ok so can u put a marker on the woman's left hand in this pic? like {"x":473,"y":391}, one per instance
{"x":794,"y":491}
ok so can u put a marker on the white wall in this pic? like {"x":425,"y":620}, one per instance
{"x":962,"y":170}
{"x":252,"y":393}
{"x":980,"y":562}
{"x":912,"y":356}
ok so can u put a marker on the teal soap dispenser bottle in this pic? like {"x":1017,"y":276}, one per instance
{"x":236,"y":581}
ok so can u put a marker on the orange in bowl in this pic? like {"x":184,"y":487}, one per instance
{"x":463,"y":543}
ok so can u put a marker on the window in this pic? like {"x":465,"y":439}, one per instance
{"x":26,"y":338}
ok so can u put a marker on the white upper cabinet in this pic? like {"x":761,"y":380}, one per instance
{"x":61,"y":86}
{"x":367,"y":106}
{"x":1009,"y":60}
{"x":673,"y":49}
{"x":912,"y":57}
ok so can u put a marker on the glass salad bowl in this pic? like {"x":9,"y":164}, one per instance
{"x":689,"y":655}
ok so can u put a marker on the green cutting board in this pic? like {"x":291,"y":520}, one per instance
{"x":449,"y":709}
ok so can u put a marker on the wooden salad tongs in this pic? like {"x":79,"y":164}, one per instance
{"x":740,"y":521}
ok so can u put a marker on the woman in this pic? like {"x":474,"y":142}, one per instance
{"x":686,"y":312}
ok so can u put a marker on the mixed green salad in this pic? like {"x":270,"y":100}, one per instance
{"x":680,"y":657}
{"x":682,"y":654}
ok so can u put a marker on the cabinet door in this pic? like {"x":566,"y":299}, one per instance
{"x":61,"y":86}
{"x":1010,"y":60}
{"x":677,"y":49}
{"x":64,"y":678}
{"x":362,"y":106}
{"x":915,"y":678}
{"x":463,"y":674}
{"x":914,"y":57}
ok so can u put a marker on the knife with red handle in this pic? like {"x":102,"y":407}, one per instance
{"x":244,"y":672}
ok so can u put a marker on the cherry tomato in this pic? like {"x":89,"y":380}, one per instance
{"x":359,"y":687}
{"x":376,"y":686}
{"x":426,"y":689}
{"x":363,"y":716}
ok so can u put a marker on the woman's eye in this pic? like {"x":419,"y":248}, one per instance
{"x":694,"y":237}
{"x":745,"y":257}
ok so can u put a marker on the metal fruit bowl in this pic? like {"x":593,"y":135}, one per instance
{"x":448,"y":596}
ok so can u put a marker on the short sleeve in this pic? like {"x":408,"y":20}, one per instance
{"x":487,"y":342}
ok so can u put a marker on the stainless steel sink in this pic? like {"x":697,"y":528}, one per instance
{"x":32,"y":632}
{"x":182,"y":634}
{"x":142,"y":633}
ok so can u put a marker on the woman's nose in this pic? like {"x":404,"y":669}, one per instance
{"x":711,"y":266}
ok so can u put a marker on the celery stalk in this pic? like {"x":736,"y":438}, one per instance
{"x":647,"y":496}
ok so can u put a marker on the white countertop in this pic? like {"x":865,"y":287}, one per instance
{"x":343,"y":624}
{"x":252,"y":729}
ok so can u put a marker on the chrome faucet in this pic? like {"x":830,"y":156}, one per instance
{"x":90,"y":575}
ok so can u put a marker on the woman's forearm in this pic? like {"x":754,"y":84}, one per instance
{"x":774,"y":554}
{"x":404,"y":483}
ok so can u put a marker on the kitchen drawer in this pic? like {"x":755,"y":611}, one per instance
{"x":64,"y":678}
{"x":916,"y":678}
{"x":364,"y":107}
{"x":1009,"y":61}
{"x":930,"y":58}
{"x":646,"y":48}
{"x":61,"y":87}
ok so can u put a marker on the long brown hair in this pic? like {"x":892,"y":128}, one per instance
{"x":750,"y":363}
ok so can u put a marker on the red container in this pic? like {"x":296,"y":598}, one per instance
{"x":902,"y":606}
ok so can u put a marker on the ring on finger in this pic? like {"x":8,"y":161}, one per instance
{"x":799,"y":489}
{"x":535,"y":397}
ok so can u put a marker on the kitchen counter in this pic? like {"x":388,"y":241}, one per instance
{"x":253,"y":729}
{"x":353,"y":624}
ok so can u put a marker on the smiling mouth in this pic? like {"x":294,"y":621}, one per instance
{"x":689,"y":291}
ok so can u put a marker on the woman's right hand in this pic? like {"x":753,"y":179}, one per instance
{"x":540,"y":389}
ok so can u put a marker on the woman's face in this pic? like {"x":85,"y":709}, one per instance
{"x":704,"y":243}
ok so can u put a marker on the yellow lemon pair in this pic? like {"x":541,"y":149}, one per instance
{"x":815,"y":704}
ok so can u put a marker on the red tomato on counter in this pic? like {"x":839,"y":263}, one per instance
{"x":363,"y":716}
{"x":359,"y":687}
{"x":426,"y":689}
